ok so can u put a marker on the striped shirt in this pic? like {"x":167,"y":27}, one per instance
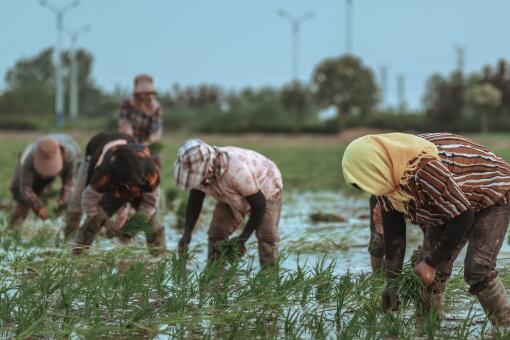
{"x":467,"y":176}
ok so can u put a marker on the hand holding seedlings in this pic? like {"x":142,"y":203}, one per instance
{"x":42,"y":213}
{"x":426,"y":272}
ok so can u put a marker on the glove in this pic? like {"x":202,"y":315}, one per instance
{"x":390,"y":300}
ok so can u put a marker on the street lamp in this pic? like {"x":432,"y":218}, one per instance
{"x":295,"y":23}
{"x":73,"y":102}
{"x":59,"y":85}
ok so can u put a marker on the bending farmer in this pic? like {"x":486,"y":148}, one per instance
{"x":243,"y":182}
{"x":457,"y":190}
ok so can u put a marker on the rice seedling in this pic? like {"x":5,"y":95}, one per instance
{"x":410,"y":286}
{"x":318,"y":217}
{"x":137,"y":223}
{"x":156,"y":148}
{"x":229,"y":250}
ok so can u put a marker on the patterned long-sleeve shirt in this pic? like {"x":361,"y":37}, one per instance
{"x":467,"y":176}
{"x":27,"y":176}
{"x":246,"y":173}
{"x":145,"y":128}
{"x":103,"y":181}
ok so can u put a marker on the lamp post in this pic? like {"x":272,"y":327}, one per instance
{"x":74,"y":97}
{"x":295,"y":23}
{"x":59,"y":82}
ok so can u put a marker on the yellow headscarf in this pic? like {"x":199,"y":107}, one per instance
{"x":380,"y":164}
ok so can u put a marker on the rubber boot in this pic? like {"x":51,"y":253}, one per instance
{"x":86,"y":234}
{"x":268,"y":254}
{"x":494,"y":300}
{"x":377,"y":263}
{"x":19,"y":214}
{"x":73,"y":220}
{"x":155,"y":237}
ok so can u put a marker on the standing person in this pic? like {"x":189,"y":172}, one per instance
{"x":458,"y":191}
{"x":98,"y":144}
{"x":140,"y":115}
{"x":120,"y":173}
{"x":243,"y":183}
{"x":38,"y":166}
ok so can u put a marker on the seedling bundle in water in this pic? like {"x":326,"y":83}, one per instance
{"x":229,"y":250}
{"x":155,"y":148}
{"x":137,"y":223}
{"x":410,"y":286}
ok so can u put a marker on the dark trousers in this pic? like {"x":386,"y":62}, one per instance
{"x":484,"y":239}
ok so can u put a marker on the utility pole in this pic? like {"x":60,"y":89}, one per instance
{"x":295,"y":23}
{"x":74,"y":97}
{"x":401,"y":93}
{"x":59,"y":82}
{"x":384,"y":83}
{"x":460,"y":51}
{"x":348,"y":26}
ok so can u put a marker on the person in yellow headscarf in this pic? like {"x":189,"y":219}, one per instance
{"x":457,"y":191}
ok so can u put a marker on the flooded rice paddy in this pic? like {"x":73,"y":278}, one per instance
{"x":323,"y":288}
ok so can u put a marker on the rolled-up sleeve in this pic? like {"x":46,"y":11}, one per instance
{"x":90,"y":201}
{"x":150,"y":201}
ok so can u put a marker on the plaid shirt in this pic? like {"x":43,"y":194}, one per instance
{"x":143,"y":125}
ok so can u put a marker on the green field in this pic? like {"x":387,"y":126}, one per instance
{"x":120,"y":292}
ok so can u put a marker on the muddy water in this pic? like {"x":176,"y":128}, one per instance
{"x":308,"y":241}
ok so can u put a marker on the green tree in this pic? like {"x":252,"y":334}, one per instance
{"x":36,"y":70}
{"x":444,"y":97}
{"x":346,"y":84}
{"x":297,"y":99}
{"x":484,"y":99}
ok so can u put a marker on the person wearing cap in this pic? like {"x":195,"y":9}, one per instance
{"x":458,"y":191}
{"x":244,"y":183}
{"x":140,"y":115}
{"x":120,"y":172}
{"x":39,"y":164}
{"x":97,"y":144}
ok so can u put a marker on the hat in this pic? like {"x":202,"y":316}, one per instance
{"x":48,"y":160}
{"x":192,"y":163}
{"x":143,"y":84}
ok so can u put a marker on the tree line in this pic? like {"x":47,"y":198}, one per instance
{"x":345,"y":84}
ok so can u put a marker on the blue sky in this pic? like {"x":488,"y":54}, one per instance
{"x":236,"y":43}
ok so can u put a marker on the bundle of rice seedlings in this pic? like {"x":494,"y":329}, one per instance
{"x":229,"y":250}
{"x":156,"y":148}
{"x":137,"y":223}
{"x":326,"y":217}
{"x":411,"y":286}
{"x":171,"y":194}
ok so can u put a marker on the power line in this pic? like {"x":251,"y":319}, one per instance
{"x":296,"y":23}
{"x":59,"y":82}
